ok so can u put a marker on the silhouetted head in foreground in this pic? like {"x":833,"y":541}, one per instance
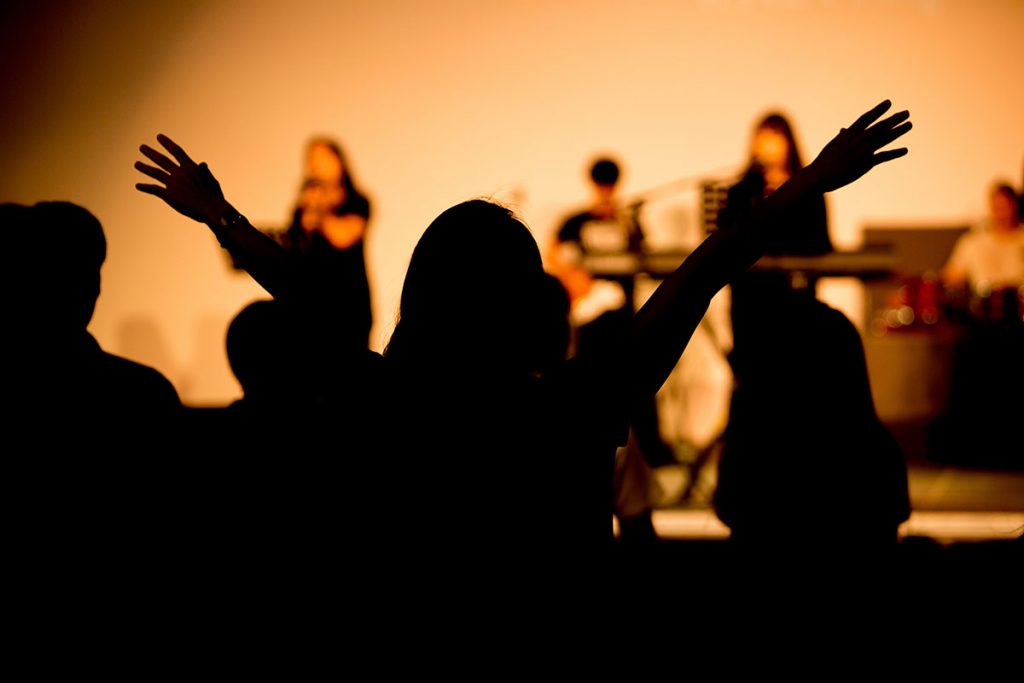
{"x":266,"y":352}
{"x":803,"y":412}
{"x":471,"y":299}
{"x":58,"y":250}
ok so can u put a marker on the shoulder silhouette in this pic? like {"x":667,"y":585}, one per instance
{"x":56,"y":250}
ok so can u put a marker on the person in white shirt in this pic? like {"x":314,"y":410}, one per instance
{"x":991,"y":258}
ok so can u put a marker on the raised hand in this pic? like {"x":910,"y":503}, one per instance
{"x":854,"y":151}
{"x":187,"y":187}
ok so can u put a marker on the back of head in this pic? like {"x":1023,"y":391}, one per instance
{"x":801,"y":413}
{"x":57,"y":249}
{"x":75,"y":235}
{"x":470,"y":294}
{"x":265,"y":350}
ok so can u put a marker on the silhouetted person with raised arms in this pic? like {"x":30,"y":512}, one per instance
{"x":467,"y":420}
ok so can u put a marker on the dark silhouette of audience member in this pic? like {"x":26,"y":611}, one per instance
{"x":265,"y":485}
{"x":269,"y":356}
{"x":299,"y":392}
{"x":806,"y":463}
{"x":90,"y":432}
{"x":61,"y":374}
{"x":479,"y":453}
{"x":553,"y":324}
{"x":553,"y":307}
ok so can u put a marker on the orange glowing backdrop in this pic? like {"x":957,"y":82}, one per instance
{"x":440,"y":101}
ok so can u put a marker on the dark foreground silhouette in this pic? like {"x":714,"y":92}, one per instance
{"x":90,"y":438}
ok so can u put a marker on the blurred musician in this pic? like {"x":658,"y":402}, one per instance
{"x":774,"y":158}
{"x":599,"y":307}
{"x":986,"y":402}
{"x":989,"y":262}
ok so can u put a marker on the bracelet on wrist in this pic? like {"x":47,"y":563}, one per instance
{"x":229,"y":219}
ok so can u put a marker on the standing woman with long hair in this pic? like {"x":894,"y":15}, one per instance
{"x":328,"y":232}
{"x":774,"y":159}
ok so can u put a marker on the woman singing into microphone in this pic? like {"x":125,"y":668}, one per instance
{"x":327,"y":232}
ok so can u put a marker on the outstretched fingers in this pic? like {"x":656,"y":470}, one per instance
{"x":153,"y":172}
{"x":884,"y":136}
{"x":889,"y":123}
{"x":897,"y":118}
{"x":158,"y":158}
{"x":869,"y":117}
{"x":886,"y":131}
{"x":176,"y":151}
{"x":888,"y":155}
{"x":155,"y":190}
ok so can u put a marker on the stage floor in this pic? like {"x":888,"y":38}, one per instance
{"x":949,"y":504}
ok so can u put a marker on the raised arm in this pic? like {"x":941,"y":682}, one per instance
{"x":191,"y":190}
{"x":662,"y":328}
